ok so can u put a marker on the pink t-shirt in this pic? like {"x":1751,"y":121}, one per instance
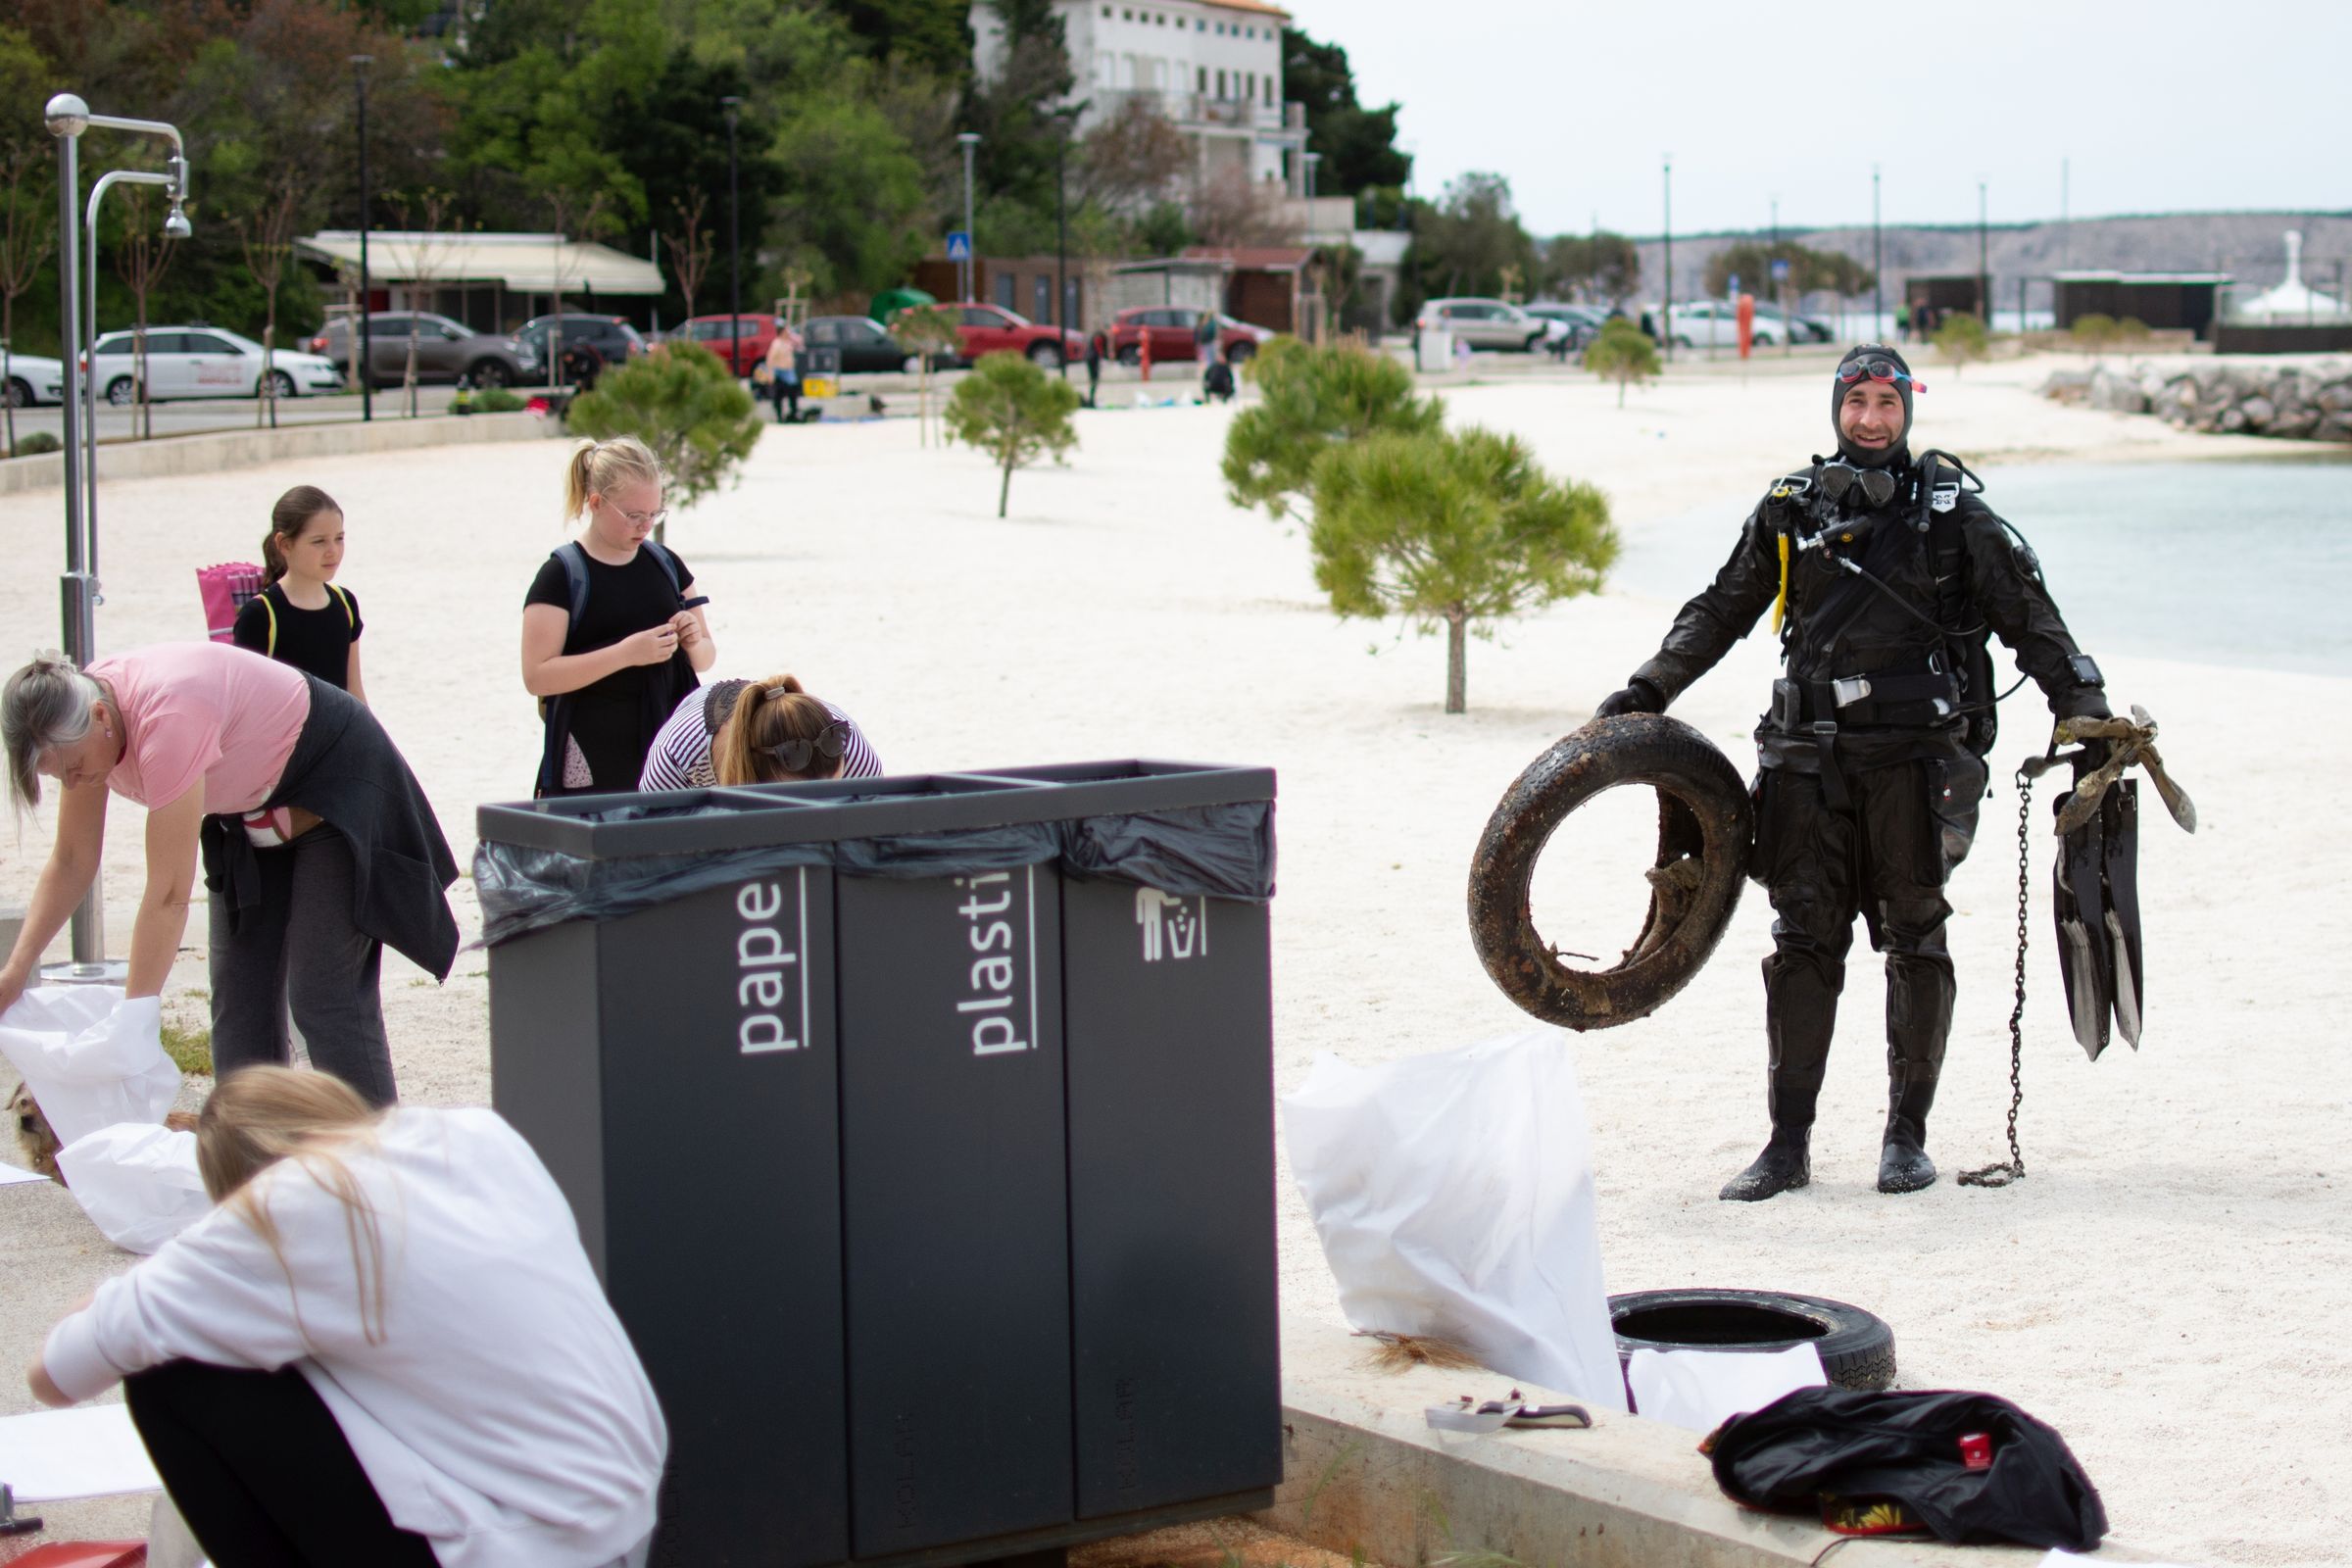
{"x":204,"y":714}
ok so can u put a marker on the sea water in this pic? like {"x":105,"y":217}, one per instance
{"x":2229,"y":562}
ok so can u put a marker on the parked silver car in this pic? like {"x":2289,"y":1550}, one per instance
{"x":1484,"y":324}
{"x":446,"y":349}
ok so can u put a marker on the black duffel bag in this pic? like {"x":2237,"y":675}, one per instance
{"x":1970,"y":1468}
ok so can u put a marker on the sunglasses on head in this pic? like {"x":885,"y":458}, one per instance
{"x":830,"y":742}
{"x":1872,"y":367}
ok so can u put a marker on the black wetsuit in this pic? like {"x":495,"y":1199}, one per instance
{"x":1870,"y":815}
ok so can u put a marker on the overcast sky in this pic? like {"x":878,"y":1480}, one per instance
{"x":2158,"y":105}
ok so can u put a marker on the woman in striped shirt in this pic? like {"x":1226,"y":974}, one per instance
{"x":756,"y":732}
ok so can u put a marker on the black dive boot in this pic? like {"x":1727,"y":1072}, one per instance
{"x":1783,"y":1164}
{"x":1903,"y":1163}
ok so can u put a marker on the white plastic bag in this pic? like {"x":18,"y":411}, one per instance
{"x":138,"y":1184}
{"x":1700,"y":1390}
{"x":1453,"y":1194}
{"x":91,"y":1058}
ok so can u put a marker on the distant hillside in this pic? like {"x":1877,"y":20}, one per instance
{"x":2246,"y":245}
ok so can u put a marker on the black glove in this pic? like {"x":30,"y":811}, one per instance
{"x":1638,"y":697}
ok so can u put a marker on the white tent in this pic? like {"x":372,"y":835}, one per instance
{"x":2292,"y":302}
{"x":448,"y":271}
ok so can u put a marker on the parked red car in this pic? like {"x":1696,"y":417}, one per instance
{"x":750,"y":337}
{"x":1175,"y":332}
{"x":982,"y":328}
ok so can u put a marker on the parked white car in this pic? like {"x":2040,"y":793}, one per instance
{"x":33,"y":379}
{"x":206,"y":362}
{"x":1715,"y":324}
{"x":1484,"y":324}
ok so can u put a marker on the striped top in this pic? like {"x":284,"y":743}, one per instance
{"x":680,"y":755}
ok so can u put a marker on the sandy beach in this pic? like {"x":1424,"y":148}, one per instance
{"x":2168,"y":1286}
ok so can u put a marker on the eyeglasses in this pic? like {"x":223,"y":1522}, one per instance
{"x":795,"y":754}
{"x":1873,"y":367}
{"x":646,"y":520}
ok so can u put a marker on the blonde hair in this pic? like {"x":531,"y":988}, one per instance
{"x":260,"y":1116}
{"x":769,"y":713}
{"x":598,"y":468}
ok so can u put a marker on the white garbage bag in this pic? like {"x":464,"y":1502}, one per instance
{"x":138,"y":1184}
{"x":91,"y":1058}
{"x":1701,"y":1389}
{"x":1453,"y":1194}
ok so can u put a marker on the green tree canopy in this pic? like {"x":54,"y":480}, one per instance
{"x":1015,"y":413}
{"x":1601,"y":267}
{"x":1313,"y":398}
{"x":1462,"y":244}
{"x":1458,"y":530}
{"x":1809,"y":270}
{"x":1358,"y":144}
{"x":683,"y":403}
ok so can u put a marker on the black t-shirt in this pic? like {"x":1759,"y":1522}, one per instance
{"x":614,"y":720}
{"x":317,"y":642}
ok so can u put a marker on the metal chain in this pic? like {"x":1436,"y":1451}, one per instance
{"x":2014,"y":1170}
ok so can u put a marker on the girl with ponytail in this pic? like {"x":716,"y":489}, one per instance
{"x":756,"y":732}
{"x":301,"y":618}
{"x":613,"y":632}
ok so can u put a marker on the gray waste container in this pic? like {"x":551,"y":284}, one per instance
{"x":921,"y":1130}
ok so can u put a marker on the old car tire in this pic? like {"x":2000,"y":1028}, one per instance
{"x":1705,"y":825}
{"x":488,"y":373}
{"x":1858,"y":1347}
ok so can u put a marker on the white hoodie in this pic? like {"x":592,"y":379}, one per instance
{"x":504,"y":1416}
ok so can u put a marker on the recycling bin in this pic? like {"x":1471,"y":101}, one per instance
{"x":921,"y":1131}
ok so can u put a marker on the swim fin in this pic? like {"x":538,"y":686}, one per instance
{"x":2119,"y":825}
{"x":2086,"y":948}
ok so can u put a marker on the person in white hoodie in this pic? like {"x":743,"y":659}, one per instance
{"x":384,"y":1345}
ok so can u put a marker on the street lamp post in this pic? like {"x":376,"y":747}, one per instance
{"x":1666,"y":305}
{"x":1877,"y":266}
{"x":1061,"y":243}
{"x":1312,"y":159}
{"x":1983,"y":262}
{"x":67,"y":117}
{"x":734,"y":109}
{"x":968,"y":140}
{"x":364,"y":329}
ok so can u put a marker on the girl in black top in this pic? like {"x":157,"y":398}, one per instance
{"x":302,"y":619}
{"x":610,"y":675}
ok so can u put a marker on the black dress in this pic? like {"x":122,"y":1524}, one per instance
{"x":608,"y":725}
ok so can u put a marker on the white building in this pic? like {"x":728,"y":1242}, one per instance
{"x":1213,"y":67}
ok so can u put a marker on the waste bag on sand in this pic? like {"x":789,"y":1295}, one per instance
{"x":1454,"y":1194}
{"x":91,"y":1058}
{"x":138,"y":1184}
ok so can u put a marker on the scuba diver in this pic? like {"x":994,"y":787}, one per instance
{"x":1884,"y":572}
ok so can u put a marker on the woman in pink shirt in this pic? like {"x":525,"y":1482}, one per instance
{"x":318,"y":846}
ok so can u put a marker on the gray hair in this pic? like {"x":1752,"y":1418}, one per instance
{"x":44,"y":706}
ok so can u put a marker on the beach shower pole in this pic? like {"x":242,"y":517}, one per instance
{"x":1984,"y":261}
{"x":968,"y":140}
{"x":361,"y":330}
{"x":68,"y":116}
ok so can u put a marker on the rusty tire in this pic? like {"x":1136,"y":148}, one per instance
{"x":1705,"y":825}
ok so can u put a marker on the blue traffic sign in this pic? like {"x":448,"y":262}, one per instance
{"x":1733,"y":291}
{"x":1779,"y":270}
{"x":959,"y":246}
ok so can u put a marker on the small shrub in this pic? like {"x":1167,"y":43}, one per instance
{"x":1624,"y":354}
{"x":1013,"y":411}
{"x":36,"y":443}
{"x":1961,"y":338}
{"x":498,"y":400}
{"x":1311,"y":399}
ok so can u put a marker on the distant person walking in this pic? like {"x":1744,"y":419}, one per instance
{"x":1902,"y":323}
{"x":756,"y":732}
{"x":610,"y":641}
{"x":301,"y":617}
{"x":1093,"y":367}
{"x":784,"y":374}
{"x":1204,"y":336}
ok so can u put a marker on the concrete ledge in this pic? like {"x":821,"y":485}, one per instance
{"x":1364,"y":1472}
{"x":218,"y":451}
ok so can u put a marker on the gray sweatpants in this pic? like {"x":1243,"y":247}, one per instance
{"x":298,"y":945}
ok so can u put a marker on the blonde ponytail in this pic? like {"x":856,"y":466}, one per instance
{"x":598,"y":466}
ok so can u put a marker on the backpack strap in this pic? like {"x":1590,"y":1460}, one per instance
{"x":351,"y":618}
{"x":670,"y":566}
{"x":269,"y":644}
{"x":575,"y":575}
